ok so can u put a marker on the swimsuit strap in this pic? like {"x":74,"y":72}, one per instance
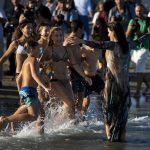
{"x":57,"y":59}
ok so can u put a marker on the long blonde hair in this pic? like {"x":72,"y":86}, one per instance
{"x":52,"y":30}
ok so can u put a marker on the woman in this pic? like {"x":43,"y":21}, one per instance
{"x":116,"y":93}
{"x":43,"y":31}
{"x":59,"y":57}
{"x":21,"y":35}
{"x":116,"y":101}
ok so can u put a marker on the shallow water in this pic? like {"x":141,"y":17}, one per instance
{"x":88,"y":135}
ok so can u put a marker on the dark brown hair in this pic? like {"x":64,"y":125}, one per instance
{"x":18,"y":33}
{"x":118,"y":29}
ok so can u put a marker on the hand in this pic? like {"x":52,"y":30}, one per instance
{"x":74,"y":40}
{"x":48,"y":90}
{"x":88,"y":80}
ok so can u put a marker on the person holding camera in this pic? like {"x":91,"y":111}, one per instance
{"x":138,"y":27}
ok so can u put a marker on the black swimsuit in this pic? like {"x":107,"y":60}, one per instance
{"x":56,"y":58}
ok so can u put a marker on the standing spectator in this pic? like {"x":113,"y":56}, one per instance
{"x":130,"y":5}
{"x":136,"y":28}
{"x":64,"y":14}
{"x":13,"y":21}
{"x":44,"y":14}
{"x":108,"y":4}
{"x":121,"y":12}
{"x":100,"y":20}
{"x":84,"y":8}
{"x":2,"y":21}
{"x":100,"y":13}
{"x":51,"y":4}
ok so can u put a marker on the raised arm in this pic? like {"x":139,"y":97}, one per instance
{"x":96,"y":45}
{"x":10,"y":50}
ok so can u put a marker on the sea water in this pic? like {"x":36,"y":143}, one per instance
{"x":62,"y":134}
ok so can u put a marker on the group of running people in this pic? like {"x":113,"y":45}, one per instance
{"x":47,"y":60}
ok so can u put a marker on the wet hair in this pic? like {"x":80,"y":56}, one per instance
{"x":18,"y":33}
{"x":53,"y":29}
{"x":100,"y":30}
{"x":120,"y":34}
{"x":75,"y":25}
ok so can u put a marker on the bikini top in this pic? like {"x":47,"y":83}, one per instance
{"x":20,"y":49}
{"x":56,"y":58}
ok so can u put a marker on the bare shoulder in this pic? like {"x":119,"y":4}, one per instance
{"x":13,"y":44}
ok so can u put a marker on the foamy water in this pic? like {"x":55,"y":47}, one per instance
{"x":57,"y":123}
{"x":62,"y":133}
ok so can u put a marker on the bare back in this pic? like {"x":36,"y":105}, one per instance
{"x":27,"y":77}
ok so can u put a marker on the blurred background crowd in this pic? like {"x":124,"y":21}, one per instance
{"x":94,"y":14}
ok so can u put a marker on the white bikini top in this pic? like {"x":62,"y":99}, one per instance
{"x":20,"y":50}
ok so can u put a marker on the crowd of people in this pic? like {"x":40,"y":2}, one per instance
{"x":53,"y":47}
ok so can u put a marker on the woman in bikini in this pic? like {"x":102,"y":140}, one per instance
{"x":22,"y":34}
{"x":59,"y":58}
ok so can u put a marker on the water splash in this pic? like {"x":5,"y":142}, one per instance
{"x":139,"y":119}
{"x":56,"y":121}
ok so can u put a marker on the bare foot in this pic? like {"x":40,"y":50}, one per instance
{"x":1,"y":122}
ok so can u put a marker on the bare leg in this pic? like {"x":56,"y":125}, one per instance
{"x":107,"y":131}
{"x":85,"y":105}
{"x":40,"y":122}
{"x":20,"y":110}
{"x":145,"y":80}
{"x":65,"y":92}
{"x":122,"y":137}
{"x":79,"y":101}
{"x":139,"y":83}
{"x":22,"y":115}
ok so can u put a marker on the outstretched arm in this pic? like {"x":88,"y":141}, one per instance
{"x":9,"y":51}
{"x":100,"y":45}
{"x":96,"y":45}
